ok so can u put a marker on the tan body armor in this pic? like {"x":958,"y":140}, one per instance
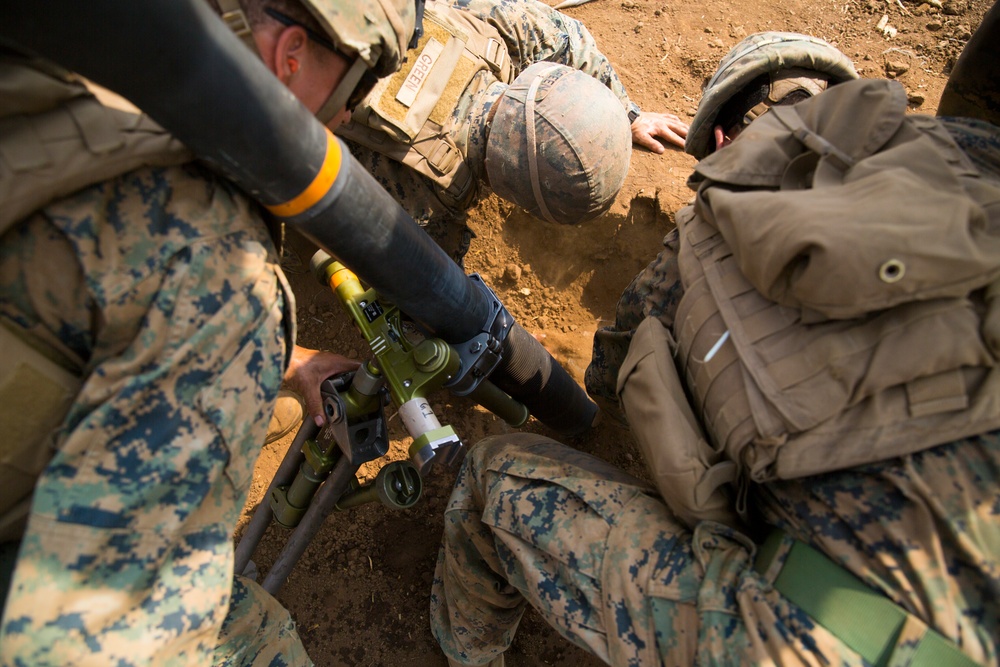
{"x":408,"y":116}
{"x":840,"y":281}
{"x":55,"y":139}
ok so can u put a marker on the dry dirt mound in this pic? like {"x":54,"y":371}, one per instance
{"x":360,"y":592}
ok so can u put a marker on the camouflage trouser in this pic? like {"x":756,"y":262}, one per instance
{"x":532,"y":521}
{"x":607,"y":565}
{"x":163,"y":284}
{"x":655,"y":292}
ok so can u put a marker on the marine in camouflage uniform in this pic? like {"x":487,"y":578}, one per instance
{"x":607,"y":563}
{"x":158,"y":284}
{"x":784,"y":65}
{"x":533,"y":32}
{"x":163,"y":285}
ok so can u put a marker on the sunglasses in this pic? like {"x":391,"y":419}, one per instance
{"x":364,"y":78}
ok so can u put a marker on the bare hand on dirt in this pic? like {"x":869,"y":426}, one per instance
{"x":649,"y":129}
{"x":306,"y":372}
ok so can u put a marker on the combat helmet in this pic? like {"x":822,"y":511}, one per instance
{"x":559,"y":144}
{"x":792,"y":61}
{"x":373,"y":34}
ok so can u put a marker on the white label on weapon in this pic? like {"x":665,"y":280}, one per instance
{"x":418,"y":75}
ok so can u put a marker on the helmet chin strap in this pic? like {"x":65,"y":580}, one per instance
{"x":338,"y":98}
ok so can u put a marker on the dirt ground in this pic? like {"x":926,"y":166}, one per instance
{"x":360,"y":592}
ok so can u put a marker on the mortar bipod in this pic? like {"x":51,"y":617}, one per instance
{"x":413,"y":366}
{"x":318,"y":473}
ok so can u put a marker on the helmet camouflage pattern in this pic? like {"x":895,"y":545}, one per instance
{"x":559,"y":144}
{"x":762,"y":53}
{"x":377,"y":31}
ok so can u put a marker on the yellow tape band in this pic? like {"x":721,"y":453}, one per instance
{"x":340,"y":276}
{"x":318,"y":188}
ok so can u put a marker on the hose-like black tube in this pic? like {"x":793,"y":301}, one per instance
{"x":179,"y":63}
{"x":531,"y":375}
{"x":373,"y":236}
{"x":973,"y":88}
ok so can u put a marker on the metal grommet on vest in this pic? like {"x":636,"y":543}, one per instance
{"x":892,"y":271}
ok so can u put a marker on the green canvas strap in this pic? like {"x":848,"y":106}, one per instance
{"x":880,"y":631}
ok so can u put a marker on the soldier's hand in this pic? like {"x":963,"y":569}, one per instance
{"x":649,"y":129}
{"x":306,"y":372}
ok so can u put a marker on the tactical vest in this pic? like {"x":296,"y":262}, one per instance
{"x":841,"y":268}
{"x":408,"y":117}
{"x":55,"y":139}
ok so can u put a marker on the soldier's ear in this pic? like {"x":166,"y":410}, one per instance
{"x":289,"y":54}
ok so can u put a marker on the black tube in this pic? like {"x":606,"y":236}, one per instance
{"x":178,"y":62}
{"x":436,"y":294}
{"x":973,"y":87}
{"x":530,"y":374}
{"x":368,"y":231}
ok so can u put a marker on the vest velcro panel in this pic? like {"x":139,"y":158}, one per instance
{"x":408,"y":116}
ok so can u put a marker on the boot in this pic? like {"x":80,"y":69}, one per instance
{"x":287,"y":416}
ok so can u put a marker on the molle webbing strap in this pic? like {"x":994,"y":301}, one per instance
{"x":409,"y":116}
{"x":871,"y":624}
{"x":236,"y":20}
{"x":430,"y":154}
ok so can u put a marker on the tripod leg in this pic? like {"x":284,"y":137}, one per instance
{"x":262,"y":516}
{"x":322,"y":506}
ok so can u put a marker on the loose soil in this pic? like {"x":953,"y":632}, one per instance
{"x":360,"y":592}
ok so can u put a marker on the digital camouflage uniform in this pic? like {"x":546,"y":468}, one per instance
{"x":604,"y":562}
{"x":163,"y":284}
{"x":532,"y":32}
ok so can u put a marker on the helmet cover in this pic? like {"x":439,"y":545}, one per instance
{"x":559,"y":144}
{"x":763,"y":53}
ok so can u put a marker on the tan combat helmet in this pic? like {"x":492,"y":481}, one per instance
{"x":373,"y":34}
{"x":791,"y":61}
{"x":559,"y":144}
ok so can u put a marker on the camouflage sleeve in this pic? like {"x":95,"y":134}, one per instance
{"x":128,"y":554}
{"x":654,"y":292}
{"x":923,"y":529}
{"x":535,"y":32}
